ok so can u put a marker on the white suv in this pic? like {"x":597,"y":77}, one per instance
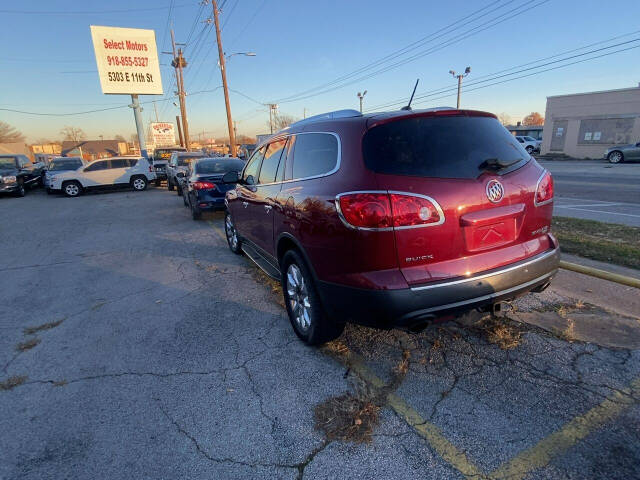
{"x":530,"y":144}
{"x":134,"y":172}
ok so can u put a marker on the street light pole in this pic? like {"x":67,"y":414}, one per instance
{"x":467,"y":71}
{"x":361,"y":96}
{"x":232,"y":137}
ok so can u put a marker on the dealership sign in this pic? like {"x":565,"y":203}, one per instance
{"x":163,"y":134}
{"x":127,"y":60}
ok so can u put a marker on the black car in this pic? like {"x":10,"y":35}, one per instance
{"x":202,"y":186}
{"x":18,"y":173}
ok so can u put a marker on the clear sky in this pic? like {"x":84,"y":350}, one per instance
{"x":48,"y":64}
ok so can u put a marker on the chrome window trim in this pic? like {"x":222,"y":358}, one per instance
{"x":331,"y":172}
{"x":387,"y":229}
{"x":537,"y":258}
{"x":535,"y":193}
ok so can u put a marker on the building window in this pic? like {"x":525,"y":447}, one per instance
{"x":559,"y":132}
{"x":597,"y":136}
{"x":607,"y":131}
{"x":587,"y":136}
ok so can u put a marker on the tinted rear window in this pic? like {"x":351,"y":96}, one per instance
{"x":219,"y":166}
{"x":65,"y":164}
{"x":444,"y":147}
{"x":183,"y":161}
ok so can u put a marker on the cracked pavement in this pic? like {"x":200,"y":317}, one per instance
{"x":173,"y":360}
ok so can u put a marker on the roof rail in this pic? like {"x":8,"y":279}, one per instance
{"x":327,"y":116}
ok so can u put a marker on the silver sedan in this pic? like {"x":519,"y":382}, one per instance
{"x":621,"y":153}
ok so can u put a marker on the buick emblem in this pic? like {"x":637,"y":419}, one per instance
{"x":495,"y":191}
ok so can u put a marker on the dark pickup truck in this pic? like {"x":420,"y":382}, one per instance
{"x":18,"y":173}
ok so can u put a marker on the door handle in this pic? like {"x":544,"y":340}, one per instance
{"x":245,"y":204}
{"x":268,"y":208}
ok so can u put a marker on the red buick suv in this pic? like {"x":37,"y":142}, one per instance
{"x":393,"y":219}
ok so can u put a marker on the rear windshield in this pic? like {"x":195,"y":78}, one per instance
{"x":183,"y":161}
{"x":65,"y":164}
{"x":443,"y":147}
{"x":219,"y":166}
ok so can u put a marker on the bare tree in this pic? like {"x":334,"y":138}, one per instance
{"x":120,"y":138}
{"x":44,"y":141}
{"x":504,"y":118}
{"x":281,"y":121}
{"x":73,"y":134}
{"x":8,"y":134}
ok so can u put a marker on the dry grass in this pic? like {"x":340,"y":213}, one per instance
{"x":13,"y":382}
{"x":347,"y":418}
{"x":44,"y":326}
{"x":28,"y":344}
{"x":502,"y":334}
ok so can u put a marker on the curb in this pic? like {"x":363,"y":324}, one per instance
{"x":595,"y":272}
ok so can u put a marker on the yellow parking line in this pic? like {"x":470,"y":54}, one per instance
{"x":218,"y":230}
{"x":559,"y":442}
{"x":432,"y":434}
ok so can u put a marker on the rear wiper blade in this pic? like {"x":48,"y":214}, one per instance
{"x":494,"y":164}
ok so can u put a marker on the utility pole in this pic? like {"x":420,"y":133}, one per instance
{"x":235,"y":129}
{"x":272,"y":113}
{"x":155,"y":107}
{"x":179,"y":131}
{"x":467,"y":71}
{"x":179,"y":63}
{"x":232,"y":137}
{"x":304,"y":112}
{"x":361,"y":97}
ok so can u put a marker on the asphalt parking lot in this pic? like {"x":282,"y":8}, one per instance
{"x":135,"y":345}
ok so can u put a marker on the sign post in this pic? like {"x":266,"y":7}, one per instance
{"x":127,"y":60}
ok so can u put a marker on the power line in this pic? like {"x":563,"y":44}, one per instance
{"x":500,"y":74}
{"x":473,"y":31}
{"x":166,"y":27}
{"x":526,"y":75}
{"x":229,"y":14}
{"x":88,"y":12}
{"x":432,"y":36}
{"x":253,"y":17}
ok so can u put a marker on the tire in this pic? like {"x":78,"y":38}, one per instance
{"x":21,"y":191}
{"x":615,"y":157}
{"x":72,"y":188}
{"x":49,"y":191}
{"x":169,"y":184}
{"x":529,"y":149}
{"x":184,"y":200}
{"x":233,"y":240}
{"x":179,"y":190}
{"x":158,"y":182}
{"x":139,"y":184}
{"x":196,"y":213}
{"x":307,"y":317}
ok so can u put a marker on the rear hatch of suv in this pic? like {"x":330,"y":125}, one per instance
{"x":465,"y":196}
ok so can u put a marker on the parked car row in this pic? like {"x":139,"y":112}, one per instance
{"x":390,"y":220}
{"x":73,"y":176}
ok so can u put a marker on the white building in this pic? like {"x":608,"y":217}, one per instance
{"x":584,"y":125}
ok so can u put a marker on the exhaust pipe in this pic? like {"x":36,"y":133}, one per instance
{"x":420,"y":323}
{"x":541,"y":288}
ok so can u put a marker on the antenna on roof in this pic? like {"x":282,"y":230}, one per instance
{"x":408,"y":107}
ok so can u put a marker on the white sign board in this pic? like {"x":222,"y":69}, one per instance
{"x":127,"y":60}
{"x":163,"y":134}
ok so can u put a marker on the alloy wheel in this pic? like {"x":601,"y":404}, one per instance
{"x":138,"y":184}
{"x":72,"y":189}
{"x":615,"y":157}
{"x":298,"y":297}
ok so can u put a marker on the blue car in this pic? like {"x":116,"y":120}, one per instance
{"x":202,"y":187}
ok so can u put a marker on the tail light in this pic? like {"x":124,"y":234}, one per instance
{"x":387,"y":210}
{"x":544,"y":190}
{"x":203,"y":185}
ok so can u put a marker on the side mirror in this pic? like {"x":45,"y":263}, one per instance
{"x":180,"y":174}
{"x":250,"y":180}
{"x":231,"y":177}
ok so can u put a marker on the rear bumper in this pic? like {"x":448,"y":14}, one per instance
{"x":209,"y":204}
{"x":411,"y":306}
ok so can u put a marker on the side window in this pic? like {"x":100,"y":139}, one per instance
{"x":314,"y":154}
{"x":253,"y":166}
{"x":22,"y":161}
{"x":132,"y":162}
{"x":119,"y":163}
{"x":520,"y":139}
{"x":271,"y":161}
{"x":94,"y":167}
